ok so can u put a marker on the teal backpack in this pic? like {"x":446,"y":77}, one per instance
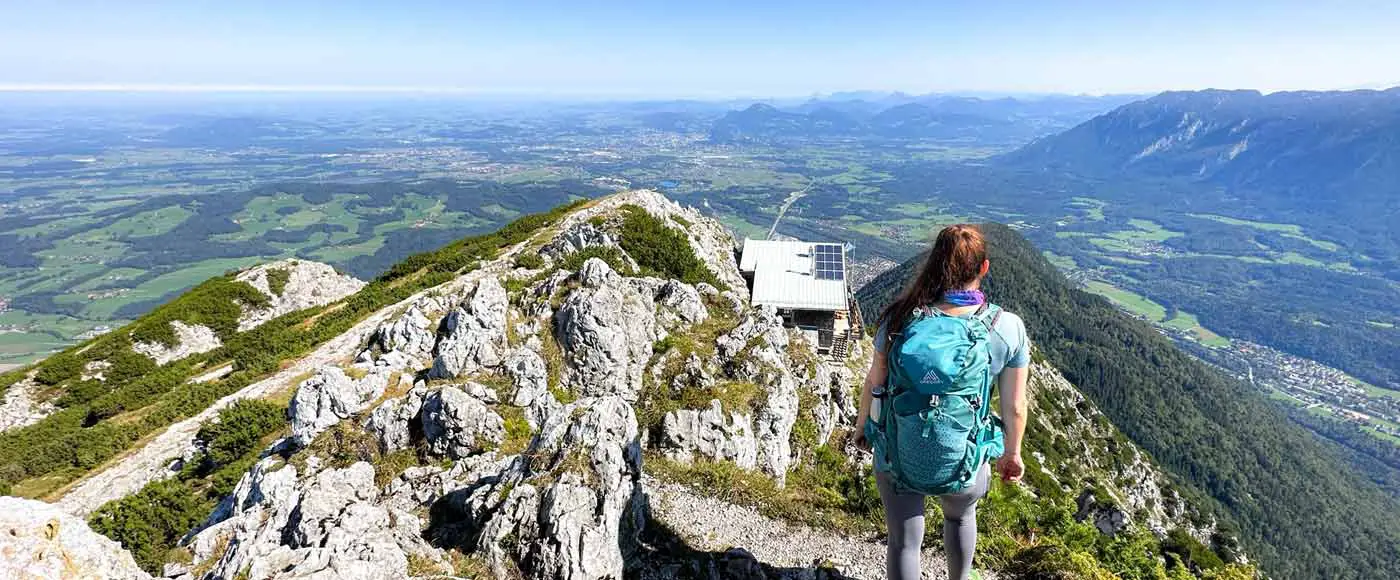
{"x":936,"y":428}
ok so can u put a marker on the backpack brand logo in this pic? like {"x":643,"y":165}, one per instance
{"x":931,"y":378}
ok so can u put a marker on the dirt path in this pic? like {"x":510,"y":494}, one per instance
{"x":714,"y":525}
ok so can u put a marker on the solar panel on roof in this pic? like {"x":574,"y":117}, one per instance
{"x":827,"y":263}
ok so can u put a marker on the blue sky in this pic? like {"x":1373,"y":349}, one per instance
{"x":701,"y":48}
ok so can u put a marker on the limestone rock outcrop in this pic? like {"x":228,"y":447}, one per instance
{"x":38,"y":541}
{"x":474,"y":333}
{"x":329,"y":397}
{"x":458,"y":423}
{"x":305,"y":284}
{"x":711,"y":433}
{"x":190,"y":339}
{"x":606,"y":328}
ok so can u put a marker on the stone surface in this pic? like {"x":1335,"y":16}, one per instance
{"x":530,"y":378}
{"x":579,"y":236}
{"x":40,"y":541}
{"x":756,"y":351}
{"x":711,"y":433}
{"x":326,"y":525}
{"x":575,"y":511}
{"x":309,"y":284}
{"x":1107,"y":519}
{"x":679,"y":305}
{"x":190,"y":339}
{"x":787,"y":550}
{"x":457,"y":423}
{"x":391,"y":422}
{"x":474,"y":333}
{"x":330,"y":397}
{"x":410,"y":334}
{"x":606,"y":329}
{"x":22,"y":406}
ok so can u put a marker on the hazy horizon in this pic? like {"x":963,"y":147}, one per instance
{"x":652,"y":49}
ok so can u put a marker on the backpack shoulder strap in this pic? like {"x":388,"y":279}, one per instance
{"x":989,"y":314}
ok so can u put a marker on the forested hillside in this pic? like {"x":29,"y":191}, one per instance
{"x":1298,"y":506}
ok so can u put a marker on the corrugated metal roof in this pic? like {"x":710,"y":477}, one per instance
{"x":783,"y":276}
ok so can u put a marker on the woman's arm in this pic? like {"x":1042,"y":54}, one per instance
{"x":875,"y":376}
{"x":1012,"y":382}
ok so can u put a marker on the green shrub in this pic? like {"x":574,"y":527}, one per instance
{"x":529,"y":261}
{"x":58,"y":368}
{"x":518,"y":433}
{"x":1055,"y":561}
{"x":609,"y":254}
{"x":277,"y":280}
{"x":150,"y":522}
{"x":80,"y":392}
{"x":239,"y":428}
{"x":661,"y":250}
{"x":216,"y":303}
{"x":1191,"y":551}
{"x":11,"y":377}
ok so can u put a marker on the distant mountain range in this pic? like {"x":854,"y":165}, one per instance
{"x":898,"y":116}
{"x":1298,"y":153}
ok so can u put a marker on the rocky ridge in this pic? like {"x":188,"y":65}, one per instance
{"x":547,"y":477}
{"x":501,"y":424}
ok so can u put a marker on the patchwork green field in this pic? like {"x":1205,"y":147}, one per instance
{"x":1156,"y":313}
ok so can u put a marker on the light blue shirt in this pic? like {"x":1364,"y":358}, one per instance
{"x":1009,"y":347}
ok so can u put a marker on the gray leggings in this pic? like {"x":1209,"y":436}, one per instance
{"x":904,"y":518}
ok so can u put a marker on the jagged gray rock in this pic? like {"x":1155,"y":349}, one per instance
{"x":474,"y":334}
{"x":410,"y":334}
{"x":1107,"y":518}
{"x":40,"y":541}
{"x":329,"y":524}
{"x":390,"y":422}
{"x":575,"y":512}
{"x":680,"y":304}
{"x":190,"y":339}
{"x":711,"y":433}
{"x":578,"y":237}
{"x":329,"y":397}
{"x":458,"y":423}
{"x":530,"y":378}
{"x":309,"y":284}
{"x":837,"y":401}
{"x":606,"y":329}
{"x":756,"y":351}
